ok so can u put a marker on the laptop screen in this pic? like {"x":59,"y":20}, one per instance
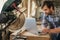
{"x":31,"y":26}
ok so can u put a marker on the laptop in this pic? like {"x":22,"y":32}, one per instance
{"x":31,"y":26}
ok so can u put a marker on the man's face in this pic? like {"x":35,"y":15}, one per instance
{"x":47,"y":10}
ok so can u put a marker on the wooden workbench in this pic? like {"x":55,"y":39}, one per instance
{"x":30,"y":36}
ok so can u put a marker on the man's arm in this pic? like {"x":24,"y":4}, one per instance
{"x":56,"y":30}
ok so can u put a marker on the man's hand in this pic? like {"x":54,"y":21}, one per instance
{"x":45,"y":31}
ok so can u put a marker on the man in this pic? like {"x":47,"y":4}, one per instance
{"x":51,"y":20}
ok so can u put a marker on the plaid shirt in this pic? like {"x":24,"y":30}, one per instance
{"x":51,"y":20}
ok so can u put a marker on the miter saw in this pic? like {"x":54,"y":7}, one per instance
{"x":8,"y":18}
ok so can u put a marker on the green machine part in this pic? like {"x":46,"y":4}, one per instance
{"x":7,"y":6}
